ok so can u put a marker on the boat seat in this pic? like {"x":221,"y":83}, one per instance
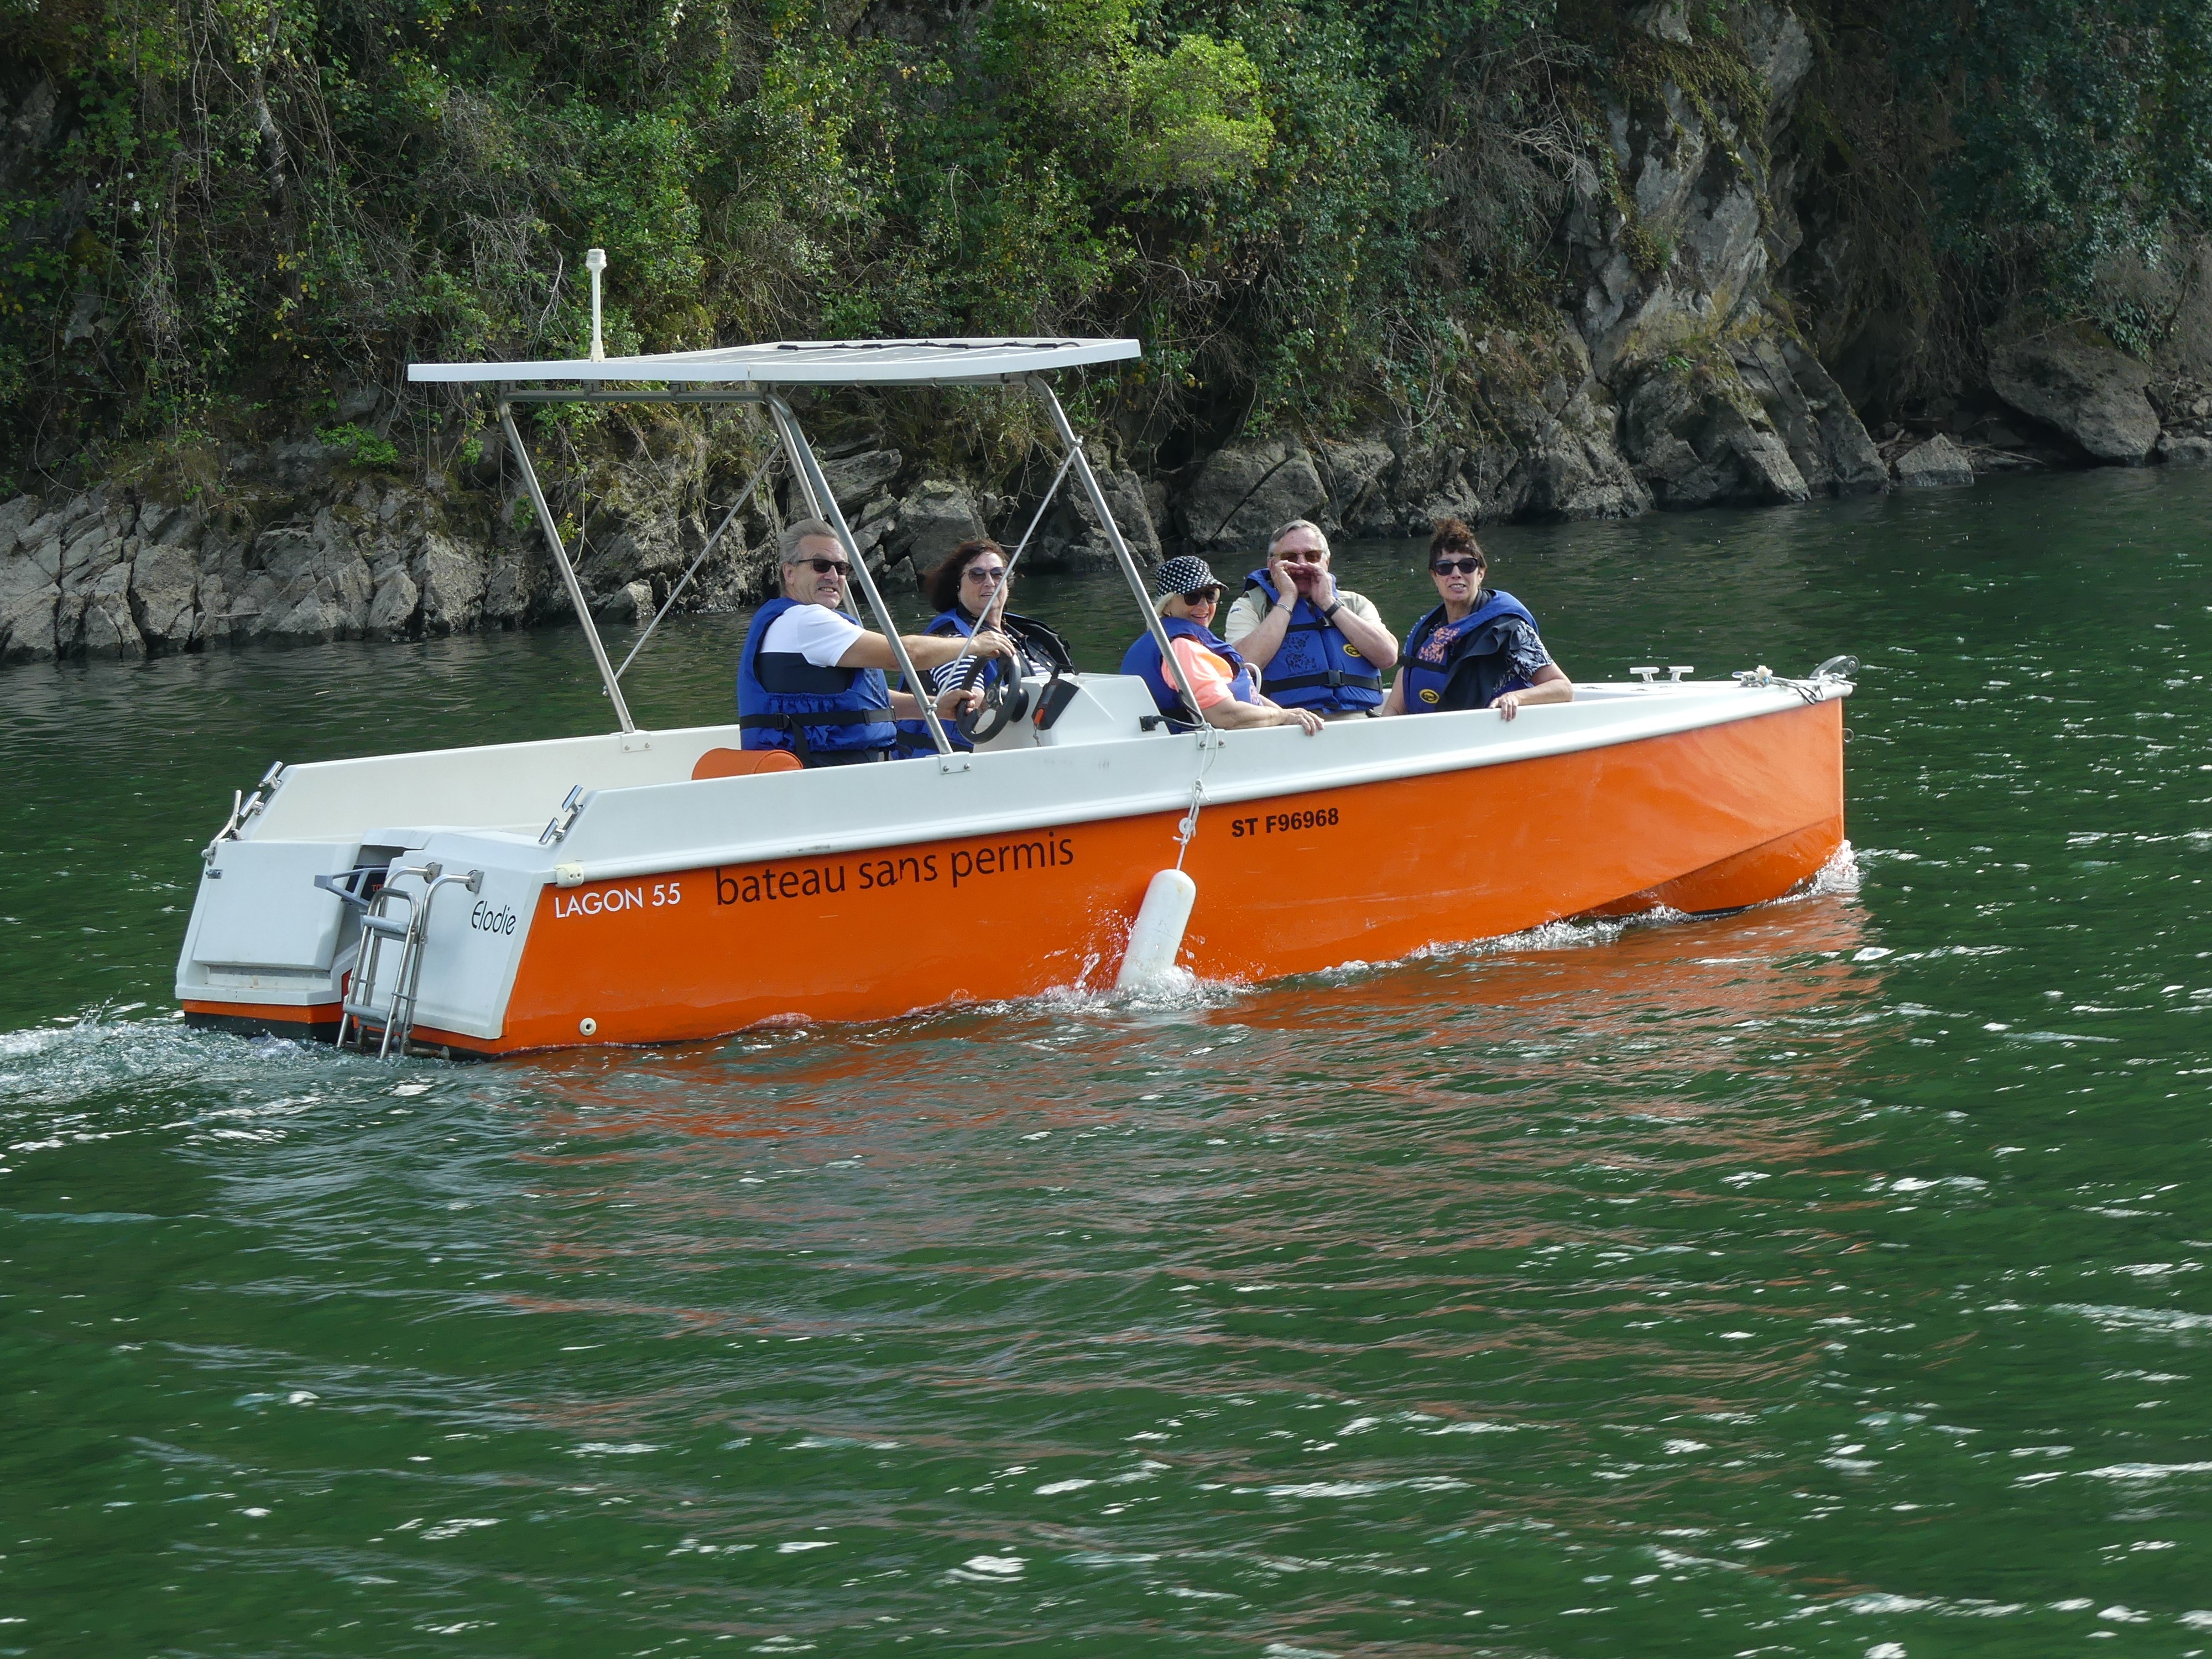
{"x":737,"y":762}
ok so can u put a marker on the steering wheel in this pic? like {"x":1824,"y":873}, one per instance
{"x":1004,"y":702}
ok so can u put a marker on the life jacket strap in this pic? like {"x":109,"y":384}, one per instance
{"x":1332,"y":678}
{"x":796,"y":724}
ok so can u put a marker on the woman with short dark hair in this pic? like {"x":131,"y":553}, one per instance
{"x":1479,"y":648}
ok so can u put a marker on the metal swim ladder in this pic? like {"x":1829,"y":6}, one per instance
{"x":393,"y":1020}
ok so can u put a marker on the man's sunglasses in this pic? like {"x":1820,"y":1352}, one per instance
{"x":823,"y":567}
{"x":1304,"y":556}
{"x":1456,"y":567}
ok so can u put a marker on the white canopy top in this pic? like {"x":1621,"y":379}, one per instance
{"x":812,"y":362}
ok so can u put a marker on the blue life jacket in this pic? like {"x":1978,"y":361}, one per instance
{"x":913,"y":736}
{"x":1315,"y":666}
{"x":784,"y":702}
{"x":1143,"y":659}
{"x":1468,"y":667}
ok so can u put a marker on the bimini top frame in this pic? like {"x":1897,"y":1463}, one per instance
{"x":814,"y":362}
{"x":750,"y":374}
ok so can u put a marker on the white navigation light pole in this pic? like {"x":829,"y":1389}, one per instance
{"x":595,"y":261}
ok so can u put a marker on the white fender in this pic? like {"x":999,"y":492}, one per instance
{"x":1158,"y":934}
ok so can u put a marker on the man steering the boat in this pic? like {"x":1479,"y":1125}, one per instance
{"x":1478,"y":649}
{"x":810,"y":679}
{"x":1320,"y":646}
{"x":1187,"y":593}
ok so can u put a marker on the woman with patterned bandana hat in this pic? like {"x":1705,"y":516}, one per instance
{"x":1228,"y":692}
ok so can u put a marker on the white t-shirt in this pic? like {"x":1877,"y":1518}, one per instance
{"x":815,"y":632}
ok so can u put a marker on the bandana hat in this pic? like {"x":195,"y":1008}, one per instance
{"x":1183,"y":575}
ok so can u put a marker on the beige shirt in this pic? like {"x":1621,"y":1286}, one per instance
{"x":1251,"y":609}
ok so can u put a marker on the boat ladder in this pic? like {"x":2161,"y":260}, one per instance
{"x":393,"y":917}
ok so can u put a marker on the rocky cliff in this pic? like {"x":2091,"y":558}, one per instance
{"x":1673,"y":368}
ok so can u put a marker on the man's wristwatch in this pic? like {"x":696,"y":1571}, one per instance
{"x":1333,"y":608}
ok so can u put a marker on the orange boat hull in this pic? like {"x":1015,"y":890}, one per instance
{"x":1710,"y":819}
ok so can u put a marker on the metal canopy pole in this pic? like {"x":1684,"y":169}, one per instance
{"x":1136,"y":585}
{"x":825,"y":502}
{"x":568,"y":571}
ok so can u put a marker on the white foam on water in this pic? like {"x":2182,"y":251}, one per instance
{"x":2139,"y":1319}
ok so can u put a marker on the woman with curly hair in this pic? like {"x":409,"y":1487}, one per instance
{"x":969,"y":589}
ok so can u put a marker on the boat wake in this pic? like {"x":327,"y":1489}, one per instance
{"x":1182,"y":993}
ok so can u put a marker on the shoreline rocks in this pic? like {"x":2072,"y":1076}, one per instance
{"x":331,"y":552}
{"x":1673,"y":373}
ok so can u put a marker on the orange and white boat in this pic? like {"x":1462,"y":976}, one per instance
{"x":647,"y":886}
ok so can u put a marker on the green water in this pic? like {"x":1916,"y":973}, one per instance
{"x":1824,"y":1279}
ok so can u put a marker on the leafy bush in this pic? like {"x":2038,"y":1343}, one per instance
{"x":362,"y":448}
{"x":222,"y":209}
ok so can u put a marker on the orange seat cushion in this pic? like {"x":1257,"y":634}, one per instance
{"x":737,"y":762}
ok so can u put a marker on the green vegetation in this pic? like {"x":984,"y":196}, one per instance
{"x":220,"y":213}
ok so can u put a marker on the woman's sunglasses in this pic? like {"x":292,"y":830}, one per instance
{"x":1456,"y":567}
{"x":988,"y":574}
{"x":1204,"y":595}
{"x":823,"y":567}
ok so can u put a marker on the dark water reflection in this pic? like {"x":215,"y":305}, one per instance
{"x":1823,"y":1280}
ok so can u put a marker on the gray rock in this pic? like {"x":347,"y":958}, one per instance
{"x":1242,"y":493}
{"x":510,"y":589}
{"x":854,"y":478}
{"x":90,"y":552}
{"x":28,"y":599}
{"x":1693,"y":446}
{"x":165,"y":594}
{"x":934,"y":520}
{"x":1936,"y":465}
{"x":1847,"y":454}
{"x":2092,"y":393}
{"x":1776,"y":46}
{"x":1828,"y":443}
{"x":47,"y":554}
{"x":1695,"y":201}
{"x":163,"y":524}
{"x":1573,"y":476}
{"x":2186,"y":449}
{"x":391,"y":609}
{"x":1355,"y":474}
{"x":359,"y":402}
{"x":1481,"y":484}
{"x":225,"y":611}
{"x":628,"y":603}
{"x":109,"y":628}
{"x":89,"y":566}
{"x":453,"y":582}
{"x":1125,"y":499}
{"x":1664,"y":20}
{"x":876,"y":521}
{"x":16,"y":518}
{"x":312,"y":585}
